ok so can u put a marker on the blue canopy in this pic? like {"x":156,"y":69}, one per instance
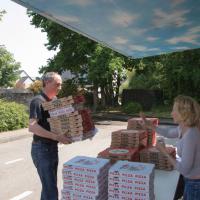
{"x":135,"y":28}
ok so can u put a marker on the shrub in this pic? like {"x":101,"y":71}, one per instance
{"x":12,"y":116}
{"x":131,"y":108}
{"x":36,"y":86}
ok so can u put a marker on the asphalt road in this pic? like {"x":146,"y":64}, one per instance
{"x":18,"y":177}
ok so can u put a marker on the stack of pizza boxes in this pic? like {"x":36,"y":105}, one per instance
{"x":115,"y":154}
{"x":136,"y":124}
{"x":152,"y":155}
{"x":131,"y":180}
{"x":65,"y":117}
{"x":88,"y":125}
{"x":129,"y":138}
{"x":125,"y":145}
{"x":87,"y":122}
{"x":85,"y":178}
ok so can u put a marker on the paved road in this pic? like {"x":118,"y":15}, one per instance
{"x":18,"y":178}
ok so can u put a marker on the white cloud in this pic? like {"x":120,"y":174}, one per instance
{"x":153,"y":49}
{"x":177,"y":2}
{"x":135,"y":47}
{"x":180,"y":48}
{"x":142,"y":48}
{"x":152,"y":39}
{"x":80,"y":2}
{"x":120,"y":40}
{"x":175,"y":18}
{"x":68,"y":19}
{"x":194,"y":30}
{"x":138,"y":31}
{"x":192,"y":39}
{"x":123,"y":19}
{"x":191,"y":36}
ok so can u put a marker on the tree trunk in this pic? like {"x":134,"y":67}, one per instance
{"x":95,"y":98}
{"x":103,"y":97}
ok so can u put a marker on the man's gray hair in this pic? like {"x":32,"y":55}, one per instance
{"x":49,"y":76}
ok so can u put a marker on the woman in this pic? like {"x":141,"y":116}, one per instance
{"x":186,"y":113}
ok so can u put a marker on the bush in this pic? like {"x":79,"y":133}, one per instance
{"x":12,"y":116}
{"x":36,"y":87}
{"x":131,"y":108}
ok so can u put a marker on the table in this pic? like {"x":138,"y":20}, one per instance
{"x":165,"y":183}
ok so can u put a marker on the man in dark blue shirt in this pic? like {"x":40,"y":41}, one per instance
{"x":44,"y":150}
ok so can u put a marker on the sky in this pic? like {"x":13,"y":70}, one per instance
{"x":136,"y":28}
{"x":22,"y":39}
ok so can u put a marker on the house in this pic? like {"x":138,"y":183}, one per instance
{"x":24,"y":81}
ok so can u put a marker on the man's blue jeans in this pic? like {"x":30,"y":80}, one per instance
{"x":45,"y":159}
{"x":192,"y":189}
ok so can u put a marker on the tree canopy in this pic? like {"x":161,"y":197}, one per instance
{"x":174,"y":73}
{"x":99,"y":65}
{"x":2,"y":12}
{"x":8,"y":68}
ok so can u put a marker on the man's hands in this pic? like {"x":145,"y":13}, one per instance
{"x":63,"y":139}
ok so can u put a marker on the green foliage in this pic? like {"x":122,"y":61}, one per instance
{"x":106,"y":69}
{"x":2,"y":12}
{"x":12,"y":116}
{"x":73,"y":49}
{"x":101,"y":66}
{"x":132,"y":108}
{"x":147,"y":74}
{"x":68,"y":88}
{"x":174,"y":73}
{"x":88,"y":98}
{"x":36,"y":86}
{"x":8,"y":68}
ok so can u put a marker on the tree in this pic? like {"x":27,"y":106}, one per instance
{"x":36,"y":86}
{"x":102,"y":67}
{"x":2,"y":12}
{"x":106,"y":71}
{"x":73,"y":49}
{"x":8,"y":68}
{"x":175,"y":73}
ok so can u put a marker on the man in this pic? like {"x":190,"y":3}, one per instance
{"x":44,"y":150}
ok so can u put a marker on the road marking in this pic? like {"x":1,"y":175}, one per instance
{"x":13,"y":161}
{"x":22,"y":195}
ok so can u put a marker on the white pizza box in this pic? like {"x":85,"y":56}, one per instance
{"x":125,"y":186}
{"x":86,"y":164}
{"x":95,"y":181}
{"x":136,"y":170}
{"x":91,"y":177}
{"x":132,"y":194}
{"x":86,"y":187}
{"x":121,"y":197}
{"x":85,"y":190}
{"x":80,"y":196}
{"x":121,"y":180}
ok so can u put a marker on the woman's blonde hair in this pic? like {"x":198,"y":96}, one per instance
{"x":189,"y":110}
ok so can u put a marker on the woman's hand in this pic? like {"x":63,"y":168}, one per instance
{"x":146,"y":124}
{"x":162,"y":149}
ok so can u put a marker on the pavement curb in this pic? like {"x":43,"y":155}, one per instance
{"x":14,"y":135}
